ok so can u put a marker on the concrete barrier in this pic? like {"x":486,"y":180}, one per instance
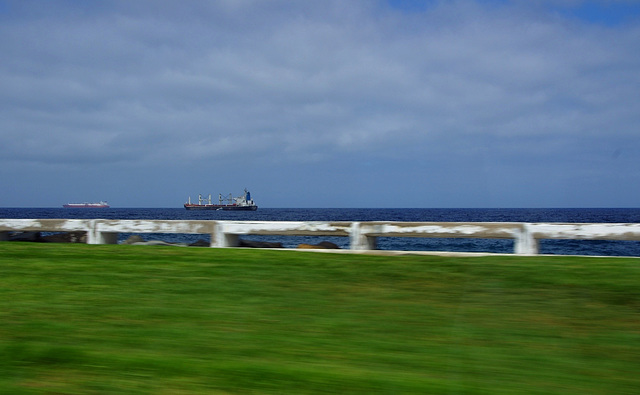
{"x":362,"y":235}
{"x":42,"y":225}
{"x":105,"y":231}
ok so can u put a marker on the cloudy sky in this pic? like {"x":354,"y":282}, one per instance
{"x":332,"y":103}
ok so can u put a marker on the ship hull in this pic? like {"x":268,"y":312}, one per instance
{"x":219,"y":207}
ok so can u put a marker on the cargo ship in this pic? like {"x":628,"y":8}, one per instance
{"x":101,"y":204}
{"x":240,"y":203}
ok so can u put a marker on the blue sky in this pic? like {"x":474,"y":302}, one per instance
{"x":365,"y":103}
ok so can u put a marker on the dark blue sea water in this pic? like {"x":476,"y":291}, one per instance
{"x":564,"y":247}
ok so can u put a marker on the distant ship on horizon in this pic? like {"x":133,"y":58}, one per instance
{"x":101,"y":204}
{"x":229,"y":203}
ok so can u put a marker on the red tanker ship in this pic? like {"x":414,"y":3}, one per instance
{"x":101,"y":204}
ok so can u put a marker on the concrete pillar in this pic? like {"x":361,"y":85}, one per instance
{"x":525,"y":243}
{"x":223,"y":239}
{"x":359,"y":241}
{"x":102,"y":237}
{"x":96,"y":237}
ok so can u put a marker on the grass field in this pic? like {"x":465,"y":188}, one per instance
{"x":109,"y":319}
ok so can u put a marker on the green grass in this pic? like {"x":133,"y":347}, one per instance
{"x":86,"y":319}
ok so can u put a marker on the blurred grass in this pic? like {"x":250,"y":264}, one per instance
{"x":108,"y":319}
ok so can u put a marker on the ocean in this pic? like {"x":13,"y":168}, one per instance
{"x":559,"y":247}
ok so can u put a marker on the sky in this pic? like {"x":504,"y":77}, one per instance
{"x":332,"y":103}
